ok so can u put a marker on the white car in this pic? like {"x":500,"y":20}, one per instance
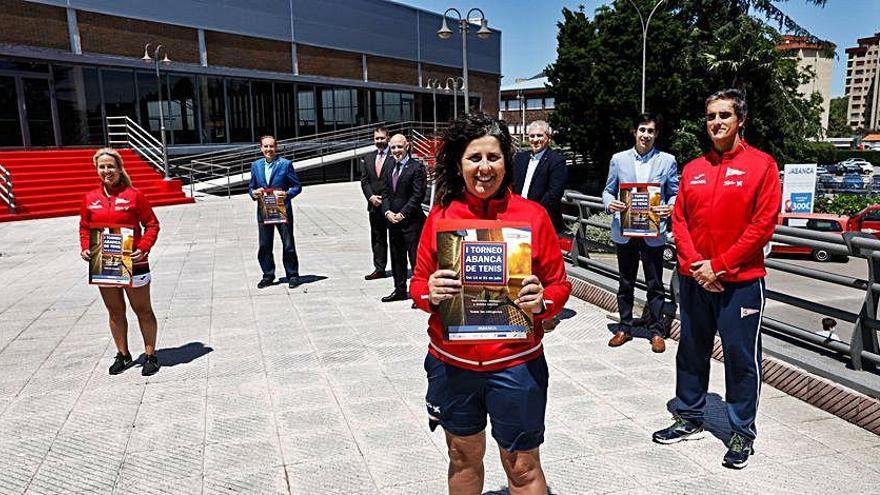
{"x":865,"y":165}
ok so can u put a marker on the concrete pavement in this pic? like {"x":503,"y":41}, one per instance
{"x":320,"y":389}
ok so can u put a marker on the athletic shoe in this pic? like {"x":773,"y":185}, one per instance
{"x":680,"y":430}
{"x":738,"y":451}
{"x":151,"y":365}
{"x":120,"y":364}
{"x":263,"y":283}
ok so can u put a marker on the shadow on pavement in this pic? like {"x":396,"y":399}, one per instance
{"x":180,"y":355}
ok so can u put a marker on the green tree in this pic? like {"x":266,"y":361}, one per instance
{"x":837,"y":122}
{"x":695,"y":47}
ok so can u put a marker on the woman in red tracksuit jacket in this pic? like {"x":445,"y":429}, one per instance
{"x":116,"y":202}
{"x":505,"y":380}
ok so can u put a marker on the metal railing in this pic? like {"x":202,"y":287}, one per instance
{"x":124,"y":132}
{"x":6,"y":192}
{"x":221,"y":170}
{"x":862,"y":350}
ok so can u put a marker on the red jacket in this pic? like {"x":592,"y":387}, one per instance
{"x":124,"y":206}
{"x":726,"y":211}
{"x":547,"y":265}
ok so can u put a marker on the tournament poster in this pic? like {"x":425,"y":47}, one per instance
{"x":274,"y":209}
{"x":491,"y":258}
{"x":638,"y":220}
{"x":110,"y":263}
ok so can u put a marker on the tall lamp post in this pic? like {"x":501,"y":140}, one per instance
{"x":444,"y":33}
{"x":434,"y":85}
{"x":455,"y":87}
{"x":645,"y":25}
{"x":156,"y":61}
{"x":522,"y":108}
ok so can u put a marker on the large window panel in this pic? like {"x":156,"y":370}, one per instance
{"x":70,"y":96}
{"x":119,"y":93}
{"x":305,"y":110}
{"x":346,"y":105}
{"x":285,"y":116}
{"x":213,"y":109}
{"x":238,"y":98}
{"x":263,"y":115}
{"x":38,"y":103}
{"x":407,"y":107}
{"x":181,"y":119}
{"x":148,"y":103}
{"x":326,"y":117}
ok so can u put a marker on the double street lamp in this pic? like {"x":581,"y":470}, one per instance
{"x":645,"y":25}
{"x":457,"y":83}
{"x":434,"y":85}
{"x":165,"y":60}
{"x":444,"y":33}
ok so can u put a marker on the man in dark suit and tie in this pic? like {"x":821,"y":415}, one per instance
{"x":275,"y":175}
{"x":540,"y":173}
{"x":375,"y":169}
{"x":402,"y":207}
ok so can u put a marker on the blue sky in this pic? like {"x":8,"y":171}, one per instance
{"x":528,"y":41}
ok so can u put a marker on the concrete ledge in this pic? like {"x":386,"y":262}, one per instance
{"x":829,"y":396}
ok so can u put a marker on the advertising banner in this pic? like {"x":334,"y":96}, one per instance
{"x":799,"y":188}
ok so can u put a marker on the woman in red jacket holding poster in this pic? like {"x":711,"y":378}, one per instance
{"x":473,"y":374}
{"x":117,"y":203}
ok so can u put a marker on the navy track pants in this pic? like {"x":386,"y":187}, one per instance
{"x":736,"y":315}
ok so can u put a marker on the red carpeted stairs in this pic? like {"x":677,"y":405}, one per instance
{"x":52,"y":183}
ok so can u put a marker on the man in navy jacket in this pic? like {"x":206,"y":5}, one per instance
{"x":275,"y":175}
{"x":540,"y":173}
{"x":402,"y":207}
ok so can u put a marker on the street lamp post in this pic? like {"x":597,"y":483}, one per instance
{"x":645,"y":25}
{"x":444,"y":33}
{"x":165,"y":60}
{"x":522,"y":108}
{"x":454,"y":89}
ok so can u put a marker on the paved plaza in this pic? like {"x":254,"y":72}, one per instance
{"x":319,"y":390}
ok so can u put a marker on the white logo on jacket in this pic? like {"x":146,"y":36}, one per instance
{"x":696,"y":181}
{"x":737,"y":183}
{"x":733,"y":172}
{"x":122,"y":201}
{"x":96,"y":205}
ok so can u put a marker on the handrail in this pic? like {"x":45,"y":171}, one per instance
{"x":7,"y":194}
{"x":212,"y":168}
{"x":139,"y":139}
{"x":863,"y":350}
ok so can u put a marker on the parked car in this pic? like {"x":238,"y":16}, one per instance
{"x":821,"y":222}
{"x":867,"y":221}
{"x":821,"y":169}
{"x":851,"y":168}
{"x":852,"y":180}
{"x":865,"y":166}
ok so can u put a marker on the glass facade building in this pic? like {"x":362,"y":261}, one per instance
{"x":49,"y":104}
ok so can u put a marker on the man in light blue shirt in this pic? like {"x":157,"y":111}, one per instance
{"x":642,"y":163}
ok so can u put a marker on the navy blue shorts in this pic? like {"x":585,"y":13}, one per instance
{"x":514,"y":400}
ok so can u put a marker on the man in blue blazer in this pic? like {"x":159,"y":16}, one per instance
{"x":276,"y":174}
{"x":540,"y":173}
{"x":642,"y":163}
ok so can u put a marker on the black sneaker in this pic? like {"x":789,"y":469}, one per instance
{"x":121,"y":363}
{"x":263,"y":283}
{"x":681,"y":430}
{"x":151,"y":365}
{"x":293,"y":282}
{"x":738,"y":451}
